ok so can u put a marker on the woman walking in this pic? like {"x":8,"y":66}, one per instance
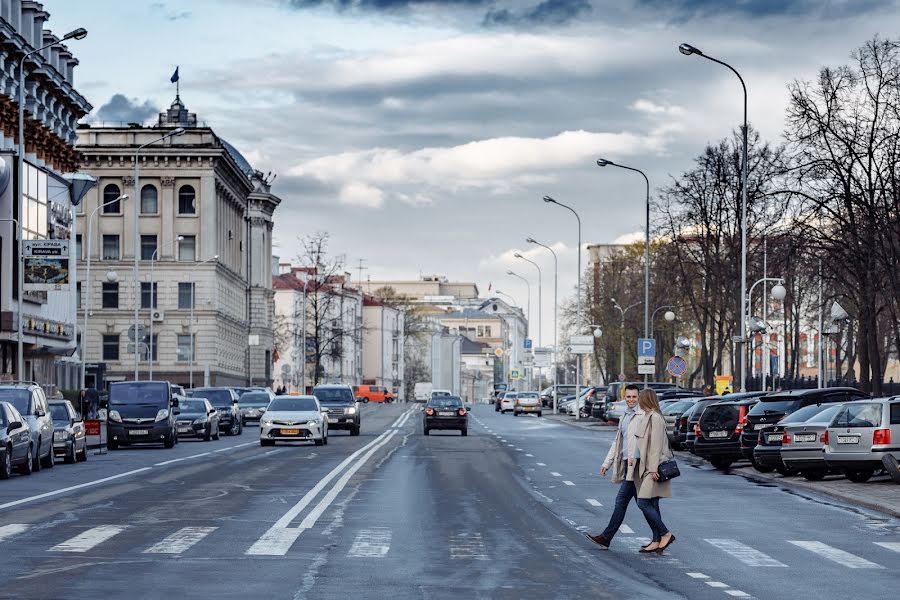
{"x":647,"y":447}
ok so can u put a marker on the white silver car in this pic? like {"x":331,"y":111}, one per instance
{"x":294,"y":418}
{"x":508,"y":402}
{"x":526,"y":403}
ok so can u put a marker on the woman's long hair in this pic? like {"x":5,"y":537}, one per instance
{"x":648,"y":402}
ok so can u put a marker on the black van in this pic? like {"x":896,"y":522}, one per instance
{"x":141,"y":412}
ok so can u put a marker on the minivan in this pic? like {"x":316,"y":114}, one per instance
{"x":372,"y":393}
{"x":141,"y":412}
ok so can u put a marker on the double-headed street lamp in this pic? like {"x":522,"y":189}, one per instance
{"x":689,"y":50}
{"x":778,"y":292}
{"x":622,"y":335}
{"x":153,"y":259}
{"x":540,"y":307}
{"x":528,"y":304}
{"x":555,"y":315}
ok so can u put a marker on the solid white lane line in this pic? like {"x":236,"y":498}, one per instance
{"x":747,"y":555}
{"x":836,"y":555}
{"x":371,"y":543}
{"x":467,"y":546}
{"x":555,"y":474}
{"x":593,"y":502}
{"x":86,"y":540}
{"x":737,"y":593}
{"x":626,"y":529}
{"x":698,"y":575}
{"x":180,"y":541}
{"x":71,"y":488}
{"x":175,"y":460}
{"x":568,"y":482}
{"x":716,"y":584}
{"x":12,"y":529}
{"x":895,"y":546}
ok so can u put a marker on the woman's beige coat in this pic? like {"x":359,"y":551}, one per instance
{"x":647,"y":433}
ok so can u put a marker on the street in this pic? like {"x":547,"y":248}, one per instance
{"x":395,"y":514}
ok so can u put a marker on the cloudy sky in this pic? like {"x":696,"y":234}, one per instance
{"x":422,"y":134}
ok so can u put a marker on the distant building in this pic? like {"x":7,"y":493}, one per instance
{"x":382,"y":346}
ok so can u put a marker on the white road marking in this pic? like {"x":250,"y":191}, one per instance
{"x":371,"y":543}
{"x":593,"y":502}
{"x":175,"y":460}
{"x":895,"y":546}
{"x":626,"y":529}
{"x":747,"y":555}
{"x":716,"y":584}
{"x":233,"y":447}
{"x":541,"y":465}
{"x":555,"y":474}
{"x":568,"y":482}
{"x":467,"y":546}
{"x":275,"y":451}
{"x":698,"y":575}
{"x":180,"y":541}
{"x":737,"y":593}
{"x":71,"y":488}
{"x":530,"y":455}
{"x":836,"y":555}
{"x":12,"y":529}
{"x":86,"y":540}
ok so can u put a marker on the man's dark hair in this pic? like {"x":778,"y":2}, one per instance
{"x":632,"y":386}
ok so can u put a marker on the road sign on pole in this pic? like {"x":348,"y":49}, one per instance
{"x":646,"y":347}
{"x":136,"y":332}
{"x":646,"y":369}
{"x":528,"y":344}
{"x":676,"y":366}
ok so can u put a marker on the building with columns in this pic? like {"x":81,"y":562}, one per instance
{"x":205,"y":238}
{"x":52,"y":110}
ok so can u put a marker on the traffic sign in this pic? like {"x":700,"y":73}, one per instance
{"x":646,"y":360}
{"x":139,"y":333}
{"x":646,"y":369}
{"x":542,"y":358}
{"x":646,"y":347}
{"x":514,"y":374}
{"x":528,"y":344}
{"x":582,"y":340}
{"x":498,"y":352}
{"x":528,"y":360}
{"x":676,"y":366}
{"x":622,"y":377}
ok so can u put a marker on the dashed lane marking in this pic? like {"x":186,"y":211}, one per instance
{"x":530,"y":455}
{"x":593,"y":502}
{"x":737,"y":593}
{"x":180,"y":541}
{"x":836,"y":555}
{"x":88,"y":539}
{"x":371,"y":543}
{"x":541,"y":464}
{"x":747,"y":555}
{"x":716,"y":584}
{"x":698,"y":575}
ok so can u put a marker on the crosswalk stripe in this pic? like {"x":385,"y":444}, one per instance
{"x":716,"y":584}
{"x":568,"y":482}
{"x":625,"y":528}
{"x":180,"y":541}
{"x":371,"y":543}
{"x":88,"y":539}
{"x":555,"y":474}
{"x":11,"y":530}
{"x":895,"y":546}
{"x":836,"y":555}
{"x":747,"y":555}
{"x":467,"y":546}
{"x":737,"y":593}
{"x":593,"y":502}
{"x":541,"y":465}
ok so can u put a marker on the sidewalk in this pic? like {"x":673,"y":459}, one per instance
{"x":590,"y":424}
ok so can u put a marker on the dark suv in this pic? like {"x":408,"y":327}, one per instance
{"x":343,"y":411}
{"x":225,"y":401}
{"x":690,"y":419}
{"x":717,"y":436}
{"x":775,"y":406}
{"x":141,"y":412}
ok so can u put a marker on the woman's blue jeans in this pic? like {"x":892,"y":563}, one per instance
{"x":650,"y":508}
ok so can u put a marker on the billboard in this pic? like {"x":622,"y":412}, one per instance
{"x":46,"y":265}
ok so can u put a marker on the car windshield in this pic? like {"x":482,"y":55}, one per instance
{"x":336,"y":395}
{"x":804,"y":414}
{"x":291,"y":404}
{"x":255,"y":400}
{"x":218,"y":398}
{"x":677,"y":407}
{"x":192,"y":406}
{"x":59,"y":412}
{"x":16,"y":397}
{"x":773,"y":405}
{"x":446,"y":402}
{"x":533,"y":395}
{"x":143,"y":393}
{"x":859,"y":415}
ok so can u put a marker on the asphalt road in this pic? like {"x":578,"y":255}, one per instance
{"x":395,"y":514}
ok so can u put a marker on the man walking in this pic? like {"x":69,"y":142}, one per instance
{"x":92,"y":400}
{"x":617,"y":458}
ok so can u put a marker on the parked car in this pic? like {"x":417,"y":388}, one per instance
{"x":862,"y":435}
{"x":767,"y":454}
{"x":615,"y":391}
{"x":615,"y":411}
{"x":31,"y":402}
{"x":777,"y":405}
{"x":448,"y":412}
{"x":372,"y":393}
{"x":701,"y":405}
{"x":802,"y":445}
{"x":343,"y":411}
{"x":253,"y":405}
{"x":564,"y":404}
{"x":562,"y":389}
{"x":594,"y":401}
{"x":507,"y":402}
{"x":198,"y":418}
{"x":672,"y":414}
{"x":226,"y":401}
{"x":292,"y":418}
{"x":15,"y":442}
{"x":527,"y":402}
{"x":141,"y":412}
{"x":69,"y":439}
{"x":717,"y":434}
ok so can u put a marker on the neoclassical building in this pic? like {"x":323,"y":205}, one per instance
{"x":205,"y":238}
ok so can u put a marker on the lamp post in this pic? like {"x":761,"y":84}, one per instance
{"x":75,"y":34}
{"x":555,"y":317}
{"x":303,"y":342}
{"x":193,"y":301}
{"x":528,"y":309}
{"x":778,"y":292}
{"x":153,"y":260}
{"x":540,"y":310}
{"x":578,"y":315}
{"x":622,"y":335}
{"x":514,"y":301}
{"x":137,"y":236}
{"x":87,"y":283}
{"x":689,"y":50}
{"x":668,"y":315}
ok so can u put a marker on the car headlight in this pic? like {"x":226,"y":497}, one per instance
{"x":267,"y":423}
{"x":313,"y":424}
{"x":351,"y":410}
{"x":162,"y":414}
{"x":200,"y":421}
{"x":114,"y":416}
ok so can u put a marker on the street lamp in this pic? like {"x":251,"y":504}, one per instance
{"x":193,"y":301}
{"x":75,"y":34}
{"x":689,"y":50}
{"x":555,"y":315}
{"x":137,"y":241}
{"x":87,"y":283}
{"x":514,"y":301}
{"x":153,"y":259}
{"x":578,"y":315}
{"x":540,"y":309}
{"x":668,"y":315}
{"x":622,"y":335}
{"x":528,"y":304}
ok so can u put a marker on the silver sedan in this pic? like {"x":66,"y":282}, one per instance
{"x":293,"y":418}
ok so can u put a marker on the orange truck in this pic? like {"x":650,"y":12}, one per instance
{"x":372,"y":393}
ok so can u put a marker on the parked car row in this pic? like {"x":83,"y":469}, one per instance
{"x":519,"y":403}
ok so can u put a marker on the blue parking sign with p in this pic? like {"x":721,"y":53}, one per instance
{"x":646,"y":347}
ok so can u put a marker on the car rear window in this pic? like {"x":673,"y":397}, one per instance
{"x":895,"y":414}
{"x":445,"y":402}
{"x":859,"y":415}
{"x":218,"y":398}
{"x":805,"y":413}
{"x":776,"y":405}
{"x":720,"y":416}
{"x":528,"y":395}
{"x":334,"y":395}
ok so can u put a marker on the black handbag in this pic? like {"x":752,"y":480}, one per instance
{"x":668,"y":469}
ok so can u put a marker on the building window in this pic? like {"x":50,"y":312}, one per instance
{"x":187,"y":248}
{"x":110,"y":193}
{"x":146,"y":351}
{"x":110,"y":347}
{"x":149,"y":200}
{"x":186,"y":200}
{"x":184,"y":351}
{"x":78,"y":296}
{"x":487,"y":331}
{"x":34,"y":219}
{"x":110,"y":247}
{"x":78,"y":255}
{"x":148,"y":247}
{"x":149,"y":300}
{"x":480,"y":331}
{"x":186,"y":295}
{"x":110,"y":295}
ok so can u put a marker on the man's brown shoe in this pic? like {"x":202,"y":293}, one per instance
{"x":600,"y":540}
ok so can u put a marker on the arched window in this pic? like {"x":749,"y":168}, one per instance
{"x":110,"y":193}
{"x":186,"y":198}
{"x":149,"y":200}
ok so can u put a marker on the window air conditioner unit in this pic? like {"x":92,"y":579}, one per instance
{"x":157,"y":316}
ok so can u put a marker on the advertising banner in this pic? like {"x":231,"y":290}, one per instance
{"x":46,"y":265}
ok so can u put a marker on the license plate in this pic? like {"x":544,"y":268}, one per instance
{"x":773,"y":438}
{"x":332,"y":420}
{"x":290,"y":432}
{"x":718,"y":434}
{"x":446,"y":413}
{"x":805,"y":437}
{"x":848,"y":439}
{"x":184,"y":430}
{"x":759,"y":426}
{"x":60,"y":436}
{"x":139,"y":432}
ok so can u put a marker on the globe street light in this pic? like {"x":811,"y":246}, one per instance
{"x":622,"y":335}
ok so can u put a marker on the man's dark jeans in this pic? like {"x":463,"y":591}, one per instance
{"x":627,"y":492}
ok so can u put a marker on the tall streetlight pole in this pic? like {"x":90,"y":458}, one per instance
{"x":193,"y":302}
{"x":528,"y":309}
{"x":578,"y":316}
{"x":137,"y":240}
{"x":601,"y":162}
{"x":555,"y":318}
{"x":622,"y":334}
{"x":514,"y":301}
{"x":75,"y":34}
{"x":688,"y":50}
{"x":87,"y":284}
{"x":153,"y":260}
{"x":540,"y":311}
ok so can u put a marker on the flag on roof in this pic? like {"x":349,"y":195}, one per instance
{"x":174,"y":77}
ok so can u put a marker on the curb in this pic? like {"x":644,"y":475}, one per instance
{"x":587,"y":426}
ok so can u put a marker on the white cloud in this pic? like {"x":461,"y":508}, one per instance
{"x":629,"y":238}
{"x":648,"y":106}
{"x":361,"y":195}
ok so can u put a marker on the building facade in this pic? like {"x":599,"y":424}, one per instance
{"x":382,"y":346}
{"x":204,"y":291}
{"x":49,"y":191}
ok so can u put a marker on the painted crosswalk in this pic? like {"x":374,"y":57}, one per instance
{"x":467,"y":546}
{"x":11,"y":530}
{"x":87,"y":540}
{"x":371,"y":543}
{"x":181,"y":540}
{"x":836,"y":555}
{"x":744,"y":553}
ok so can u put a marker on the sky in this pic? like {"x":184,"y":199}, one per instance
{"x":422,"y":135}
